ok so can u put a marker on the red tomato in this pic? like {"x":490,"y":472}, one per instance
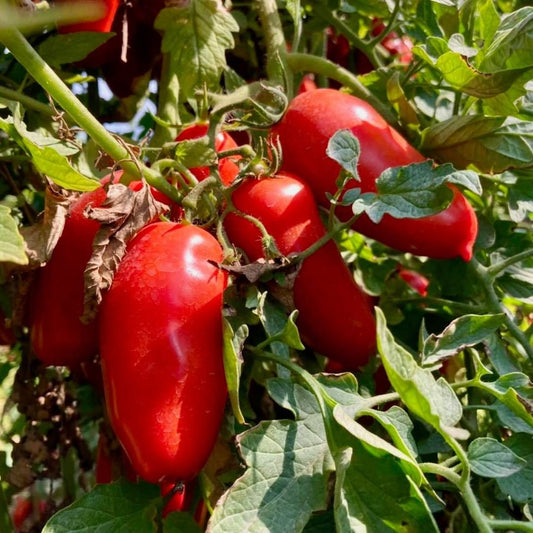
{"x":103,"y":24}
{"x":307,"y":84}
{"x":24,"y":508}
{"x":310,"y":121}
{"x":58,"y":336}
{"x":335,"y":317}
{"x":161,"y":350}
{"x":180,"y":501}
{"x":417,"y":281}
{"x":108,"y":470}
{"x":227,"y":168}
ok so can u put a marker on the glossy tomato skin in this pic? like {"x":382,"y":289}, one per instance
{"x":335,"y":317}
{"x":58,"y":337}
{"x":103,"y":24}
{"x":227,"y":168}
{"x":416,"y":280}
{"x":310,"y":121}
{"x":161,"y":350}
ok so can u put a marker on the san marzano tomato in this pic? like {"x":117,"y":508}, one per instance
{"x":161,"y":350}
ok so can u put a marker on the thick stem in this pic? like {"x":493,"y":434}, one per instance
{"x":275,"y":44}
{"x":322,"y":66}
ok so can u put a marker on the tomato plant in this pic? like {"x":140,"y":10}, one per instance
{"x":266,"y":266}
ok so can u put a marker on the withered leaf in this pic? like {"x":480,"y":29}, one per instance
{"x":254,"y":271}
{"x":41,"y":237}
{"x":121,"y":216}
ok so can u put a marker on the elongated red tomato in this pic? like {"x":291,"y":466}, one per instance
{"x":58,"y":337}
{"x":310,"y":121}
{"x":335,"y":317}
{"x":161,"y":350}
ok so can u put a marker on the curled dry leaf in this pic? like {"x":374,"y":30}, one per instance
{"x":41,"y":238}
{"x":121,"y":216}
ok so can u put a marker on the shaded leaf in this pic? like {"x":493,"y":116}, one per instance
{"x":492,"y":459}
{"x":519,"y":486}
{"x":12,"y":247}
{"x":343,"y":147}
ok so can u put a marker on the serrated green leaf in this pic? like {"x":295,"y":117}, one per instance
{"x":465,"y":331}
{"x":12,"y":248}
{"x":233,"y":345}
{"x":197,"y":37}
{"x":512,"y":45}
{"x":490,"y":458}
{"x":414,"y":191}
{"x":109,"y":508}
{"x":71,"y":47}
{"x":519,"y":486}
{"x":343,"y":147}
{"x":490,"y":144}
{"x":384,"y":502}
{"x":520,"y":200}
{"x":288,"y":467}
{"x":432,"y":401}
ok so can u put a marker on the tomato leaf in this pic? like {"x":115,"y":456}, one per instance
{"x":12,"y":247}
{"x":195,"y":153}
{"x":519,"y":486}
{"x":520,"y":199}
{"x":490,"y":458}
{"x":233,"y":345}
{"x":71,"y":47}
{"x":431,"y":400}
{"x":490,"y":144}
{"x":197,"y":37}
{"x":512,"y":45}
{"x":386,"y":501}
{"x":414,"y":191}
{"x":47,"y":159}
{"x":109,"y":508}
{"x":343,"y":147}
{"x":465,"y":331}
{"x":182,"y":522}
{"x":288,"y":467}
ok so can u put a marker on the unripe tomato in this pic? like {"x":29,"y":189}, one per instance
{"x":335,"y":317}
{"x":227,"y":168}
{"x":304,"y":132}
{"x":103,"y":24}
{"x":161,"y":350}
{"x":58,"y":336}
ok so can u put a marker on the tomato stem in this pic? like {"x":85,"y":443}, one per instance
{"x":299,"y":62}
{"x":496,"y":269}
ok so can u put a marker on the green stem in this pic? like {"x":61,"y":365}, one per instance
{"x":52,"y":83}
{"x":454,"y":308}
{"x":511,"y":525}
{"x":27,"y":101}
{"x":275,"y":44}
{"x":441,"y":470}
{"x":319,"y":65}
{"x":497,"y":307}
{"x":494,"y":270}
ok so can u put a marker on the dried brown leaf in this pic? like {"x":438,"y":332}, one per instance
{"x":41,"y":238}
{"x":121,"y":216}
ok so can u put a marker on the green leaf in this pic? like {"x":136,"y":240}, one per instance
{"x":432,"y":401}
{"x":288,"y":467}
{"x":461,"y":75}
{"x":12,"y":248}
{"x":47,"y":160}
{"x":487,"y":22}
{"x":505,"y":390}
{"x":490,"y":144}
{"x":233,"y":345}
{"x":373,"y":496}
{"x":465,"y":331}
{"x":517,"y":282}
{"x":490,"y":458}
{"x":520,"y":200}
{"x":512,"y":45}
{"x":519,"y":486}
{"x":109,"y":508}
{"x":71,"y":47}
{"x":343,"y":147}
{"x":197,"y":37}
{"x":414,"y":191}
